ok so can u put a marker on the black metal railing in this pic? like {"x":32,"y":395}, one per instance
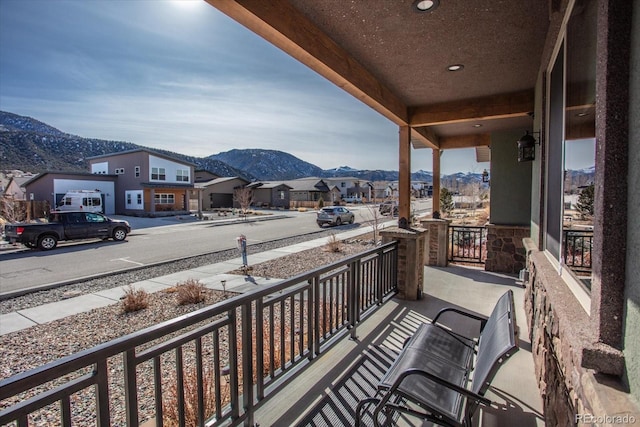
{"x":467,"y":244}
{"x":577,"y":245}
{"x":212,"y":365}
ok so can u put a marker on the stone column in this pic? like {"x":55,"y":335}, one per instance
{"x":437,"y":241}
{"x":411,"y":259}
{"x":505,"y":250}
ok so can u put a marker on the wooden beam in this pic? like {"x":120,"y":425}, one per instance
{"x":424,"y":138}
{"x":465,"y":141}
{"x":493,"y":107}
{"x":278,"y":22}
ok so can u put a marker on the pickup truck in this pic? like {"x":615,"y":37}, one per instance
{"x":66,"y":225}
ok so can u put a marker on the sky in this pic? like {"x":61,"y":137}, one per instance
{"x":181,"y":76}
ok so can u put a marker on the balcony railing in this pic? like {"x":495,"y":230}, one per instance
{"x":577,"y":245}
{"x":213,"y":365}
{"x":467,"y":244}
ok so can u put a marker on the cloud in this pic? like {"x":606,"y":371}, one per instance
{"x":181,"y":79}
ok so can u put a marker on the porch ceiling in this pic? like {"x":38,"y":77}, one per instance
{"x":395,"y":59}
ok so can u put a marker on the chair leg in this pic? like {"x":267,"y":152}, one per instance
{"x":361,"y":405}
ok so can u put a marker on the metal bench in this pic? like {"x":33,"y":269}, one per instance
{"x":441,"y":376}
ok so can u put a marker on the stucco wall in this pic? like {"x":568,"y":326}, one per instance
{"x":632,"y":290}
{"x":510,"y":181}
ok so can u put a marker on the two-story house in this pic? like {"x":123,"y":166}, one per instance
{"x":147,"y":182}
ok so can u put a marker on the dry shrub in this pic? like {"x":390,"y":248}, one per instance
{"x":190,"y":384}
{"x":134,"y":299}
{"x":333,"y":244}
{"x":190,"y":291}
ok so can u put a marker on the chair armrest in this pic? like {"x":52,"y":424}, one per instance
{"x":481,"y":319}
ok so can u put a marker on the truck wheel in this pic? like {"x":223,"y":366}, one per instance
{"x":47,"y":242}
{"x":119,"y":234}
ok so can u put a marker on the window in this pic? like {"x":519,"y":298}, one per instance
{"x":139,"y":198}
{"x":92,"y":201}
{"x":128,"y":198}
{"x":93,"y":217}
{"x":282,"y":195}
{"x":164,"y":199}
{"x":137,"y":171}
{"x":158,"y":174}
{"x":119,"y":171}
{"x":182,"y":175}
{"x":570,"y":154}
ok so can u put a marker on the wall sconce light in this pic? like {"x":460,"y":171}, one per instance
{"x":527,"y":148}
{"x":485,"y":176}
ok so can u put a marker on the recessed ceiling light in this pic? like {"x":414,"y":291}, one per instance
{"x":455,"y":67}
{"x":582,"y":114}
{"x":477,"y":125}
{"x":425,"y":5}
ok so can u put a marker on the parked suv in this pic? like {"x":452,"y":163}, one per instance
{"x":334,"y":215}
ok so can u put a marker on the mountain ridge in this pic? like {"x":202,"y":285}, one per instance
{"x":30,"y":145}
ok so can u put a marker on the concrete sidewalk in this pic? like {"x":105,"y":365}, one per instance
{"x":210,"y":275}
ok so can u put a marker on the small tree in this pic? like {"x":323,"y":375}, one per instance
{"x":320,"y":203}
{"x":446,"y":201}
{"x":585,"y":202}
{"x":12,"y":210}
{"x":243,"y":197}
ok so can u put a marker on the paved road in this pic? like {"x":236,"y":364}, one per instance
{"x":148,"y":245}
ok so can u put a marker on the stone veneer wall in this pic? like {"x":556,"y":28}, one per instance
{"x":505,"y":251}
{"x":411,"y":259}
{"x":559,"y":330}
{"x":437,"y":251}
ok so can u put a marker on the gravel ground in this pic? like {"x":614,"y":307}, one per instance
{"x":33,"y":347}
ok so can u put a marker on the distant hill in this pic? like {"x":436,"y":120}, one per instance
{"x":268,"y":165}
{"x":30,"y":145}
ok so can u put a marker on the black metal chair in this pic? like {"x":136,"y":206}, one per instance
{"x":436,"y":377}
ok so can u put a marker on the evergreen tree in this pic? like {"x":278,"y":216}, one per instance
{"x":585,"y":201}
{"x":446,"y":201}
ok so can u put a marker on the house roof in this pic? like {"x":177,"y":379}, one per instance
{"x":395,"y":59}
{"x":267,"y":184}
{"x":220,"y":180}
{"x":308,"y":184}
{"x":144,"y":150}
{"x":99,"y":177}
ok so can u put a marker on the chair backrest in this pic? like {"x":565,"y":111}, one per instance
{"x":497,"y":342}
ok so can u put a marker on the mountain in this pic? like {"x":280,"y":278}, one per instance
{"x":268,"y":165}
{"x":30,"y":145}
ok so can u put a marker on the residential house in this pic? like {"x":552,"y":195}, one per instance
{"x":219,"y":192}
{"x":52,"y":186}
{"x":271,"y":194}
{"x":309,"y":190}
{"x":563,"y":72}
{"x":351,"y":186}
{"x":148,"y":182}
{"x":15,"y":188}
{"x":529,"y":79}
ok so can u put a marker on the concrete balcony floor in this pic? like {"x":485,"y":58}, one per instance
{"x":328,"y":390}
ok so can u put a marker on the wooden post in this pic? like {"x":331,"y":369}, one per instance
{"x":404,"y":178}
{"x":436,"y":181}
